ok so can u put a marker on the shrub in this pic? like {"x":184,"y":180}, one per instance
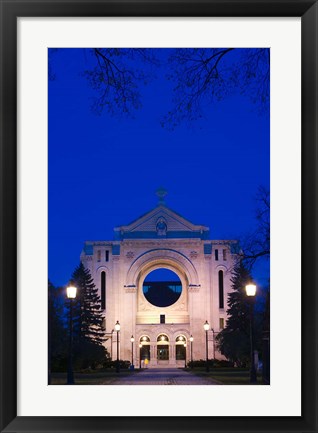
{"x":109,"y":364}
{"x":213,"y":363}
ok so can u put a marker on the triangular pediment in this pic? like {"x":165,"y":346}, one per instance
{"x":161,"y":222}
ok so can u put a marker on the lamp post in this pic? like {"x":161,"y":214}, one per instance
{"x":251,"y":292}
{"x":206,"y":327}
{"x":132,"y":351}
{"x":185,"y":355}
{"x":191,"y":341}
{"x":71,"y":294}
{"x":117,"y":329}
{"x":140,"y":346}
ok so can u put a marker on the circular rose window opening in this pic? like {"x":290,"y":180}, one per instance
{"x":162,"y":287}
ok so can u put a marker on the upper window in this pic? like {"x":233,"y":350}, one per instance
{"x":103,"y":289}
{"x":106,"y":256}
{"x":221,"y":290}
{"x":98,"y":255}
{"x":224,"y":254}
{"x":216,"y":253}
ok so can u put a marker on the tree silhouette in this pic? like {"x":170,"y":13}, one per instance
{"x":88,"y":318}
{"x":200,"y":76}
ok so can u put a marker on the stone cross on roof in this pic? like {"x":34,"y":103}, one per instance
{"x":161,"y":193}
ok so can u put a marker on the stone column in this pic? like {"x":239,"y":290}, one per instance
{"x":172,"y":354}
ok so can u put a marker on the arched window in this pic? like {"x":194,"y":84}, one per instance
{"x":162,"y":347}
{"x":221,"y":290}
{"x":181,"y":344}
{"x":144,"y":348}
{"x":162,"y":287}
{"x":103,"y":289}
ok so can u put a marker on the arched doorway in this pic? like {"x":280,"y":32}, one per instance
{"x":162,"y":349}
{"x":144,"y":349}
{"x":181,"y":347}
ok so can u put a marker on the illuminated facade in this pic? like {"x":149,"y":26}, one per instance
{"x":162,"y":278}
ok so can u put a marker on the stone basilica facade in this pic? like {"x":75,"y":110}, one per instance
{"x":161,"y":312}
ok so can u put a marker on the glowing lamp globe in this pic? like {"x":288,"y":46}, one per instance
{"x":71,"y":292}
{"x":250,"y":289}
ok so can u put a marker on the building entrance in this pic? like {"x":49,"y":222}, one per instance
{"x":162,"y":348}
{"x":163,"y":353}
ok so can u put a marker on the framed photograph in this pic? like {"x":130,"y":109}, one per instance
{"x":200,"y":117}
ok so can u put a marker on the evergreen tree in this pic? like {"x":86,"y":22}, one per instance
{"x":238,"y":305}
{"x":234,"y":340}
{"x":87,"y":315}
{"x":57,"y":344}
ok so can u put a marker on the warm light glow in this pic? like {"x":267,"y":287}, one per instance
{"x":185,"y":344}
{"x":71,"y":292}
{"x":250,"y":289}
{"x":162,"y":338}
{"x":117,"y":326}
{"x":206,"y":326}
{"x":132,"y":339}
{"x":140,"y":345}
{"x":191,"y":338}
{"x":144,"y":338}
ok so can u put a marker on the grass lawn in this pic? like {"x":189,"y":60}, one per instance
{"x":228,"y":376}
{"x":106,"y":377}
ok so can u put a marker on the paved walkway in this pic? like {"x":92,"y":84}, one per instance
{"x":163,"y":376}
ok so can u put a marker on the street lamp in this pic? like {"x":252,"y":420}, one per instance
{"x":117,"y":329}
{"x":132,"y":351}
{"x":185,"y":355}
{"x":140,"y":346}
{"x":71,"y":294}
{"x":206,"y":327}
{"x":251,"y":292}
{"x":191,"y":341}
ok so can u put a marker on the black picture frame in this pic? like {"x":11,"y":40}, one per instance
{"x":10,"y":11}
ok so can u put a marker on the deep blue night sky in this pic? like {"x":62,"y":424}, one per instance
{"x":104,"y":170}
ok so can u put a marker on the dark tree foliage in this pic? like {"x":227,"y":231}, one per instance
{"x":116,"y":78}
{"x":238,"y":306}
{"x":199,"y":76}
{"x":87,"y":314}
{"x":257,"y":244}
{"x":234,"y":341}
{"x":116,"y":75}
{"x":57,"y":338}
{"x":202,"y":76}
{"x":88,"y":355}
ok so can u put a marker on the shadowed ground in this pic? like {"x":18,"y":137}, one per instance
{"x":164,"y":376}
